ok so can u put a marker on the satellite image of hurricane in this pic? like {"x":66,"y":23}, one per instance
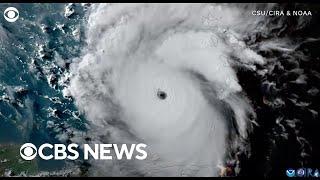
{"x":211,"y":89}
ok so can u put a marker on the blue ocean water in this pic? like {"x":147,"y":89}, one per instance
{"x":35,"y":53}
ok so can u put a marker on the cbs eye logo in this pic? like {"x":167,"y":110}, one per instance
{"x":28,"y":151}
{"x":11,"y":14}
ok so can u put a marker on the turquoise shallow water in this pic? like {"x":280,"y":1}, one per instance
{"x":35,"y":52}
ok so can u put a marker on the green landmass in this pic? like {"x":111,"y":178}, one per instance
{"x":10,"y":160}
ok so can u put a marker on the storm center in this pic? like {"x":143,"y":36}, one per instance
{"x":161,"y":95}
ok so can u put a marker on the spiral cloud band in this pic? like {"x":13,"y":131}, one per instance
{"x":164,"y":75}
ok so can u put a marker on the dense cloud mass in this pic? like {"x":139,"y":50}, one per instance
{"x":136,"y":51}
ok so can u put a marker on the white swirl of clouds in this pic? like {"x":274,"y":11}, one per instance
{"x":135,"y":51}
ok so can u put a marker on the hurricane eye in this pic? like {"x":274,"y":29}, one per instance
{"x":161,"y":95}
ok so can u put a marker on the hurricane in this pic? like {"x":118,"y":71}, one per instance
{"x":163,"y":74}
